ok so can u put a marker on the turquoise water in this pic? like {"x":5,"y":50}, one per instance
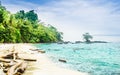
{"x":95,"y":59}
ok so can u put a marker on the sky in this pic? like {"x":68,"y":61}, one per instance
{"x":101,"y":18}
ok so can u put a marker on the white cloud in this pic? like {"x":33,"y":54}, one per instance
{"x":17,"y":5}
{"x":75,"y":17}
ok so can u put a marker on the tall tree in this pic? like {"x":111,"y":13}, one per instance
{"x":87,"y":37}
{"x":20,"y":14}
{"x":32,"y":16}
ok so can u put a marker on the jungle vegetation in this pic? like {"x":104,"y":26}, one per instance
{"x":25,"y":27}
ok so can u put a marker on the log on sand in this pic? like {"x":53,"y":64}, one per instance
{"x":11,"y":71}
{"x":27,"y":59}
{"x":12,"y":55}
{"x":41,"y":51}
{"x":17,"y":68}
{"x":38,"y":50}
{"x":30,"y":59}
{"x":13,"y":64}
{"x":5,"y":60}
{"x":22,"y":68}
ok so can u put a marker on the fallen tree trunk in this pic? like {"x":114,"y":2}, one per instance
{"x":10,"y":56}
{"x":5,"y":60}
{"x":38,"y":50}
{"x":33,"y":49}
{"x":28,"y":59}
{"x":41,"y":51}
{"x":7,"y":56}
{"x":22,"y":68}
{"x":12,"y":69}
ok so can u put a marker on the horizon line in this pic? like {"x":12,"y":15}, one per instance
{"x":106,"y":35}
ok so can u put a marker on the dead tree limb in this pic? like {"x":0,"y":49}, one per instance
{"x":4,"y":60}
{"x":12,"y":69}
{"x":22,"y":68}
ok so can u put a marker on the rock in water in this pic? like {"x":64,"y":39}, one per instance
{"x":62,"y":60}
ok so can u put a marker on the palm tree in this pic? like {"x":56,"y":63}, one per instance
{"x":87,"y":37}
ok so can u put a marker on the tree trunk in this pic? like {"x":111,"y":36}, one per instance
{"x":11,"y":71}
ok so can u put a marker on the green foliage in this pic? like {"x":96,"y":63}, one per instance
{"x":20,"y":15}
{"x":87,"y":37}
{"x":31,"y":16}
{"x":24,"y":27}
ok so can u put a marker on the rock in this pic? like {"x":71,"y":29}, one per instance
{"x":78,"y":42}
{"x":41,"y":51}
{"x":67,"y":42}
{"x":60,"y":43}
{"x":62,"y":60}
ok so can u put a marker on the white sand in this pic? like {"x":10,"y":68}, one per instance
{"x":43,"y":66}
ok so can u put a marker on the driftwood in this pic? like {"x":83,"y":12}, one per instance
{"x":4,"y":66}
{"x":30,"y":59}
{"x":7,"y":56}
{"x":41,"y":51}
{"x":38,"y":50}
{"x":7,"y":65}
{"x":4,"y":60}
{"x":5,"y":70}
{"x":22,"y":68}
{"x":33,"y":49}
{"x":27,"y":59}
{"x":12,"y":69}
{"x":12,"y":64}
{"x":10,"y":56}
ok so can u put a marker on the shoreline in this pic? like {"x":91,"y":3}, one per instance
{"x":43,"y":65}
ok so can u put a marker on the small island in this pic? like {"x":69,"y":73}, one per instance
{"x":87,"y":39}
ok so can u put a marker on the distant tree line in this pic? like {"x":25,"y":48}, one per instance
{"x":25,"y":27}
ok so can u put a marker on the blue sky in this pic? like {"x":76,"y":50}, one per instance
{"x":41,"y":2}
{"x":75,"y":17}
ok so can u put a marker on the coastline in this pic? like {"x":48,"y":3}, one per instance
{"x":43,"y":66}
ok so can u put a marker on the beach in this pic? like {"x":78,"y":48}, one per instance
{"x":43,"y":65}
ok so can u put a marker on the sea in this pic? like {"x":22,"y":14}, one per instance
{"x":94,"y":58}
